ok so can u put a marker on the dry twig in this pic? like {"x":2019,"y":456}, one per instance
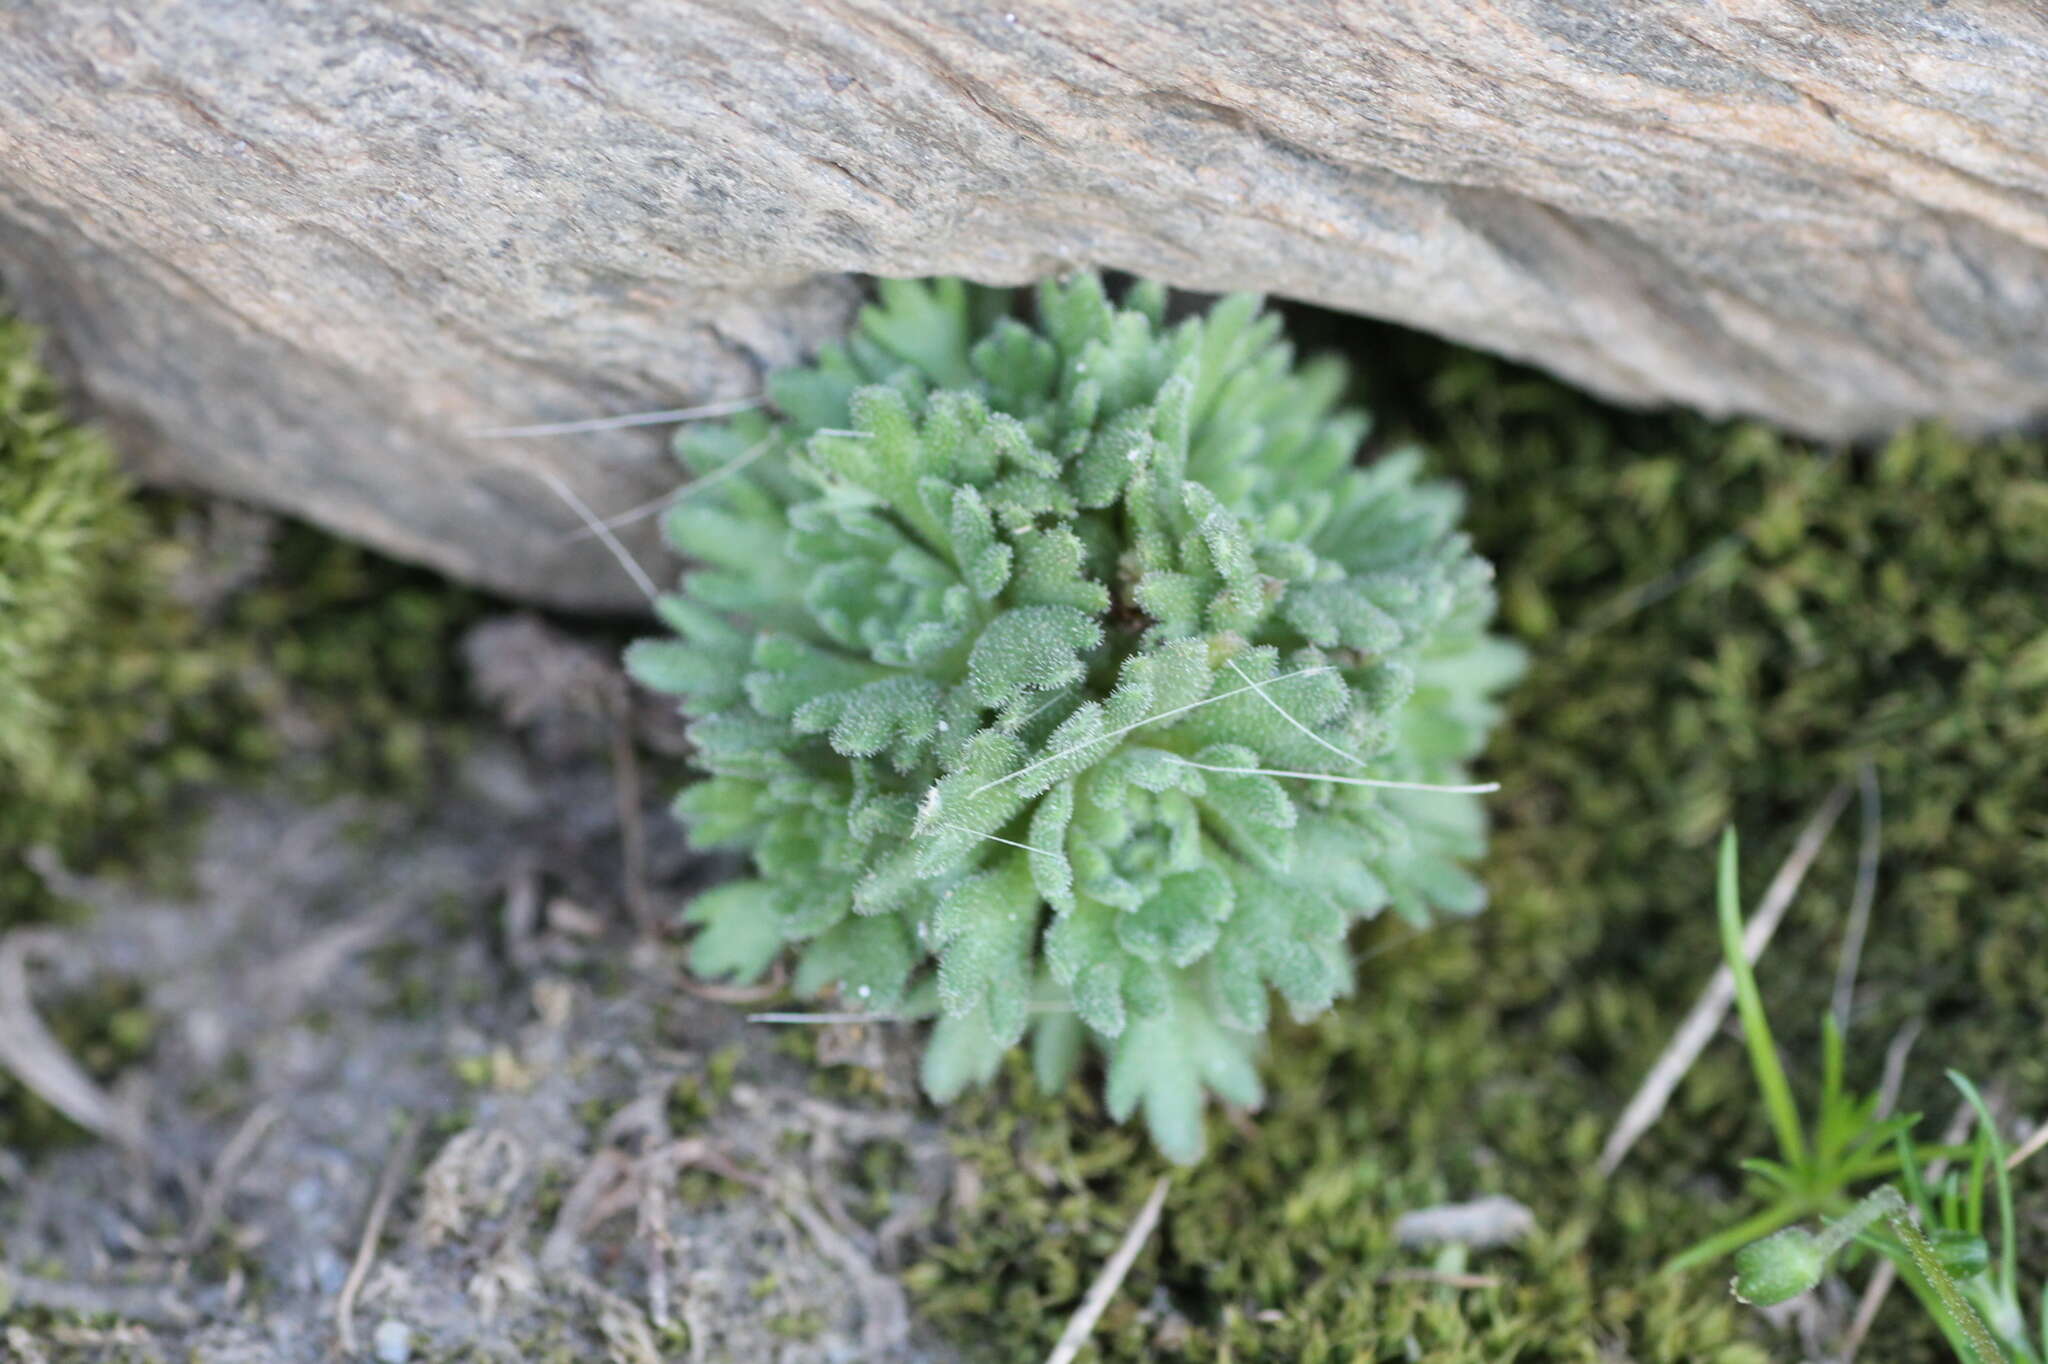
{"x":1107,"y":1282}
{"x":34,"y":1056}
{"x":771,"y":988}
{"x":604,"y":534}
{"x":658,"y":505}
{"x":396,"y":1163}
{"x":2029,"y":1148}
{"x":519,"y":917}
{"x":664,"y":417}
{"x":1698,"y":1028}
{"x":227,"y":1167}
{"x":154,"y":1306}
{"x":292,"y":979}
{"x":600,"y":1178}
{"x":885,"y":1315}
{"x":1893,"y":1077}
{"x":1865,"y":895}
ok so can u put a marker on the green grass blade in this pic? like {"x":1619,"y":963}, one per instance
{"x":1772,"y":1173}
{"x":2008,"y":1249}
{"x":1734,"y":1238}
{"x":1839,"y":1117}
{"x":1756,"y":1028}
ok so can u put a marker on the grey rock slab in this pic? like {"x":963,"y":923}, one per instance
{"x":297,"y":252}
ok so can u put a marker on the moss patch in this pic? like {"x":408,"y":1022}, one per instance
{"x":148,"y":644}
{"x":1723,"y":623}
{"x":151,"y":644}
{"x":62,"y":509}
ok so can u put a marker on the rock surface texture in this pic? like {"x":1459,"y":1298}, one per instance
{"x":298,"y":251}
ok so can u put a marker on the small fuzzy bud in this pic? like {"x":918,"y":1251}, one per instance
{"x":1779,"y":1268}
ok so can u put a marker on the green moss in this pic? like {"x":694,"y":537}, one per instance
{"x":1723,"y":623}
{"x":121,"y":689}
{"x":549,"y":1191}
{"x":60,"y":506}
{"x":63,"y":508}
{"x":362,"y":656}
{"x":802,"y":1325}
{"x":720,"y":1070}
{"x":880,"y":1170}
{"x":694,"y":1098}
{"x":688,"y":1105}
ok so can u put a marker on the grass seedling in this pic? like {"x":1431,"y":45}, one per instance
{"x":1850,"y":1142}
{"x":1929,"y":1224}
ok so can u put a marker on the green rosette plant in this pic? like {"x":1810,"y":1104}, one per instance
{"x":1071,"y":681}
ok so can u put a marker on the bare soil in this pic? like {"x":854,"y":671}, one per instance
{"x":445,"y":1023}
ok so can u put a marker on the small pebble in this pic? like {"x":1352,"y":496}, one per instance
{"x":1495,"y":1220}
{"x":393,"y":1342}
{"x":329,"y":1270}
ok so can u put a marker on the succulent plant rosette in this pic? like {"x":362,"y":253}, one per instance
{"x":1068,"y":680}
